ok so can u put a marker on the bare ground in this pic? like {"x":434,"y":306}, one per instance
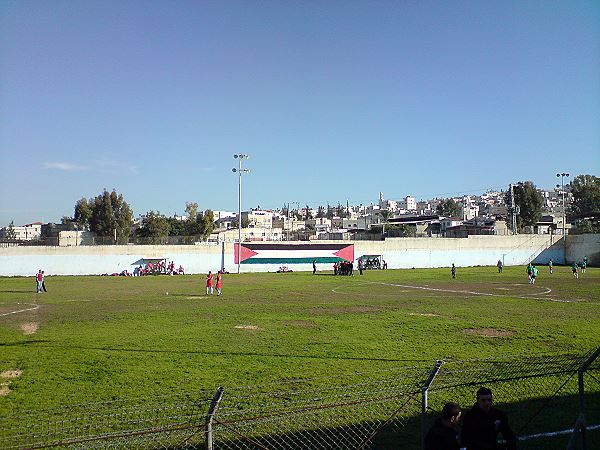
{"x":488,"y":332}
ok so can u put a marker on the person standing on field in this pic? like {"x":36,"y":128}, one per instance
{"x":39,"y":279}
{"x":534,"y":273}
{"x":499,"y":265}
{"x":575,"y":270}
{"x":529,"y":270}
{"x":314,"y":266}
{"x":453,"y":271}
{"x":43,"y":282}
{"x":209,"y":283}
{"x":219,"y":283}
{"x":550,"y":266}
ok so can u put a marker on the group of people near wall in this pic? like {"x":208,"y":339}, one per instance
{"x":343,"y":268}
{"x":483,"y":428}
{"x":160,"y":268}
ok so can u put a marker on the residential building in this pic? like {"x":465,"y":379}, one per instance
{"x":28,"y":232}
{"x":258,"y":218}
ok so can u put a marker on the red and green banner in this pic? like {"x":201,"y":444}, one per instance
{"x":255,"y":253}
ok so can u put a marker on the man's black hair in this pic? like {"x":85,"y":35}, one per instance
{"x":483,"y":391}
{"x":450,"y":410}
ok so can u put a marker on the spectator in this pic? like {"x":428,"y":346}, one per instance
{"x":44,"y":282}
{"x":39,"y":279}
{"x":443,"y":435}
{"x":485,"y":427}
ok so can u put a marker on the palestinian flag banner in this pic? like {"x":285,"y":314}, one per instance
{"x":255,"y":253}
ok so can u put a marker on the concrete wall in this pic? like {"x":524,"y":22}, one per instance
{"x":398,"y":253}
{"x":583,"y":245}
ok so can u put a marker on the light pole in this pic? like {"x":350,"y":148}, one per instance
{"x":562,"y":186}
{"x":239,"y":170}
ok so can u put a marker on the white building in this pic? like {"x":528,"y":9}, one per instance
{"x":258,"y":218}
{"x":470,"y":210}
{"x":26,"y":232}
{"x":409,"y":204}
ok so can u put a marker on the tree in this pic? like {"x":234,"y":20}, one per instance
{"x":586,"y":194}
{"x":308,"y":213}
{"x":83,"y":213}
{"x":155,"y":227}
{"x":586,"y":201}
{"x":448,"y":208}
{"x":176,"y":227}
{"x":105,"y":215}
{"x":193,"y":225}
{"x":208,"y":223}
{"x":321,"y":212}
{"x":529,"y":201}
{"x":10,"y":231}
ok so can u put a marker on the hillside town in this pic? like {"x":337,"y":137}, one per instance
{"x":456,"y":217}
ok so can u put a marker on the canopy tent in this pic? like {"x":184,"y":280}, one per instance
{"x":145,"y":261}
{"x":370,"y":256}
{"x":372,"y":261}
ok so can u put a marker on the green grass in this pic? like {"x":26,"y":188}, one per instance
{"x":103,"y":338}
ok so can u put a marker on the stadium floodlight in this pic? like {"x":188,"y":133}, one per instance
{"x":240,"y":171}
{"x":562,"y":177}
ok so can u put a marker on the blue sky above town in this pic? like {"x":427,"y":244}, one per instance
{"x":334,"y":101}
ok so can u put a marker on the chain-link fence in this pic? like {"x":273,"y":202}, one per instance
{"x":546,"y":399}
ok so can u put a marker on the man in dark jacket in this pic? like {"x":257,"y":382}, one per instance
{"x":442,"y":435}
{"x":485,"y":427}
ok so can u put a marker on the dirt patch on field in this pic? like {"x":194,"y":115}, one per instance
{"x":424,"y":314}
{"x":4,"y":390}
{"x":11,"y":373}
{"x":246,"y":327}
{"x":348,"y":310}
{"x":489,"y":332}
{"x":301,"y":323}
{"x":29,"y":328}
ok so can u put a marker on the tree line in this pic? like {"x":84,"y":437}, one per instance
{"x":109,"y":215}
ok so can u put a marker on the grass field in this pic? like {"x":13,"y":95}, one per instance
{"x":101,"y":338}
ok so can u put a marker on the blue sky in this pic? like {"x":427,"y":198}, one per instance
{"x":333,"y":100}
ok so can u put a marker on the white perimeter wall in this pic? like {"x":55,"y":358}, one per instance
{"x":398,"y":252}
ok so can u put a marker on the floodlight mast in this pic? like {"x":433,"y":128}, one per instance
{"x":239,"y":171}
{"x":562,"y":177}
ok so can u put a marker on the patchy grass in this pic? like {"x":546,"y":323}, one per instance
{"x":103,"y":338}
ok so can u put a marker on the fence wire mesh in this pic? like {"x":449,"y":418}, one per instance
{"x":354,"y":413}
{"x":174,"y":421}
{"x":375,"y":410}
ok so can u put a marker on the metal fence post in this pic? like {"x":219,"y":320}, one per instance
{"x":580,"y":425}
{"x":214,"y":404}
{"x":424,"y":389}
